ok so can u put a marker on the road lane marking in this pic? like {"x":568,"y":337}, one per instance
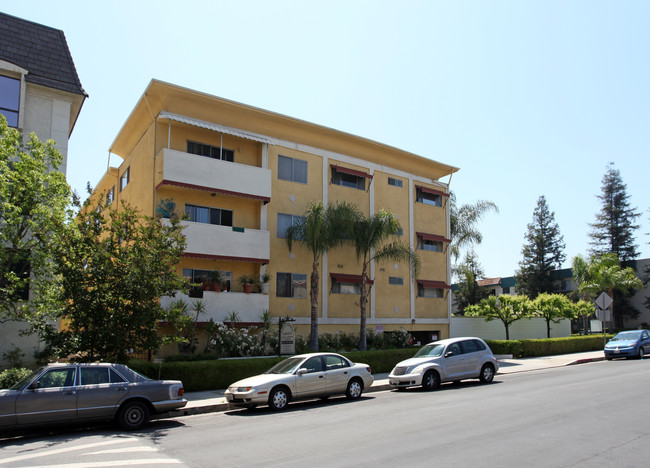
{"x":65,"y":449}
{"x":150,"y":461}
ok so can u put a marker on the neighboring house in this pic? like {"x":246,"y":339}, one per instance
{"x":40,"y":92}
{"x":564,"y":283}
{"x":242,"y":175}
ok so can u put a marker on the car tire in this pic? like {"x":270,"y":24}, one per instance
{"x":430,"y":380}
{"x":133,"y":415}
{"x":487,"y":373}
{"x":641,"y":353}
{"x":354,"y":389}
{"x":279,"y":399}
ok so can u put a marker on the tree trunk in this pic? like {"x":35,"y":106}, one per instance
{"x":313,"y":292}
{"x":548,"y":328}
{"x":507,"y":332}
{"x":363,"y":301}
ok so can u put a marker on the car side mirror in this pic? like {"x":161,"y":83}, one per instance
{"x":449,"y":354}
{"x":302,"y":371}
{"x":34,"y":385}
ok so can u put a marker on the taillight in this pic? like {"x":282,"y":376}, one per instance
{"x":368,"y":369}
{"x":181,"y":391}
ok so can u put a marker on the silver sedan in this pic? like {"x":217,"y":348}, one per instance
{"x":60,"y":393}
{"x":301,"y":377}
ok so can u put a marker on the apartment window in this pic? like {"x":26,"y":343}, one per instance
{"x":396,"y":280}
{"x":201,"y":277}
{"x":10,"y":99}
{"x":204,"y":214}
{"x":124,"y":180}
{"x":428,"y":198}
{"x":430,"y":245}
{"x":394,"y":182}
{"x":291,"y":285}
{"x":214,"y":152}
{"x":348,"y":180}
{"x":110,"y":195}
{"x":291,"y":169}
{"x":506,"y":290}
{"x":344,"y":287}
{"x":425,"y":291}
{"x":285,"y":221}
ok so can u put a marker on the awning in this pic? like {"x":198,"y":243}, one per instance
{"x":263,"y":261}
{"x":345,"y":170}
{"x":341,"y":278}
{"x":434,"y":284}
{"x":432,"y":237}
{"x":432,"y":191}
{"x":214,"y":127}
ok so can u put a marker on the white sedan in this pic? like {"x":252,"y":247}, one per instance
{"x":306,"y":376}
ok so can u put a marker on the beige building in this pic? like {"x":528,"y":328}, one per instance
{"x":242,"y":175}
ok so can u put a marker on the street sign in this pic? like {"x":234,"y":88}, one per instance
{"x":604,"y":315}
{"x":604,"y":301}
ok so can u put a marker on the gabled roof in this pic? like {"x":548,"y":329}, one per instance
{"x":42,"y":51}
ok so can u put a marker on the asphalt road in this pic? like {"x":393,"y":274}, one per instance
{"x":589,"y":415}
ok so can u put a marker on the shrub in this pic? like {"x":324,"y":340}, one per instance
{"x":12,"y":376}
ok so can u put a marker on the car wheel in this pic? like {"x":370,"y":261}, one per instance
{"x":487,"y":373}
{"x":430,"y":380}
{"x":354,"y":390}
{"x":133,"y":415}
{"x":641,"y":353}
{"x":279,"y":399}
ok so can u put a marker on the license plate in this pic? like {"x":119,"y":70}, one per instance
{"x":394,"y":382}
{"x":616,"y":351}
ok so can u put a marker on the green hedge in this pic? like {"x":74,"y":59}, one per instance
{"x":219,"y":373}
{"x":548,"y":346}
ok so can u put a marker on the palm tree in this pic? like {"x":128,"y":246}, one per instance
{"x":463,"y":221}
{"x":320,"y":230}
{"x":604,"y":274}
{"x":370,"y":236}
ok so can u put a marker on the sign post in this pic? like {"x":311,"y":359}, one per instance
{"x":603,"y":313}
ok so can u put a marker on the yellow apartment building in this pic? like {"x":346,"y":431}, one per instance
{"x":242,"y":175}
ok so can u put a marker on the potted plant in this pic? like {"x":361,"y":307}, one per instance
{"x":264,"y":283}
{"x":216,"y":280}
{"x":246,"y":283}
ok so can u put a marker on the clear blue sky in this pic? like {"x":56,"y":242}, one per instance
{"x":528,"y":98}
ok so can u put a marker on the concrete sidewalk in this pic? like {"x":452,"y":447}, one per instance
{"x":214,"y":400}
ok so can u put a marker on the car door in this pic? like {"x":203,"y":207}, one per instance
{"x":645,"y":342}
{"x":310,"y":378}
{"x":100,"y":392}
{"x":51,"y":398}
{"x":454,"y":362}
{"x":337,"y":373}
{"x":472,"y":357}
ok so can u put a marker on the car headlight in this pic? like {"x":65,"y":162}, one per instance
{"x":241,"y":389}
{"x":417,"y":370}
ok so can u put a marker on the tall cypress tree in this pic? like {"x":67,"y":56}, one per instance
{"x":613,"y":231}
{"x":542,"y":253}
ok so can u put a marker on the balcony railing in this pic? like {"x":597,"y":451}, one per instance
{"x":177,"y":168}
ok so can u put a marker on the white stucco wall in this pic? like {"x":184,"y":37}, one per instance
{"x":523,"y":329}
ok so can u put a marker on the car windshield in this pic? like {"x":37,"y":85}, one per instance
{"x":430,"y":350}
{"x":628,"y":336}
{"x":24,"y":381}
{"x":285,"y":367}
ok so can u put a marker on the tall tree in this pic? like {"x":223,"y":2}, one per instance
{"x":34,"y":197}
{"x":604,"y":274}
{"x":320,"y":230}
{"x":507,"y":309}
{"x":463,"y":222}
{"x":370,"y":236}
{"x":114,"y":266}
{"x":615,"y":226}
{"x":469,"y":292}
{"x":542,"y":252}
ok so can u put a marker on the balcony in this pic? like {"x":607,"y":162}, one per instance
{"x":218,"y":305}
{"x":226,"y":242}
{"x":180,"y":169}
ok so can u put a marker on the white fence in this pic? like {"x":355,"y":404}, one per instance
{"x":523,"y":329}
